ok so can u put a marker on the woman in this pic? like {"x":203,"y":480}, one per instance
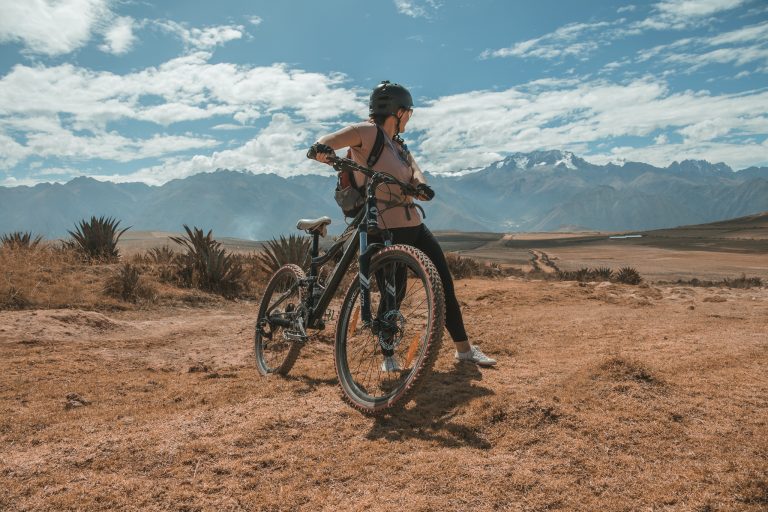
{"x":390,"y":109}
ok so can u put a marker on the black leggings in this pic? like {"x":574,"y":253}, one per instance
{"x":422,"y":238}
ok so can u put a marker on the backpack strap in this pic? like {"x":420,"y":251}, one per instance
{"x":378,"y":147}
{"x":376,"y":150}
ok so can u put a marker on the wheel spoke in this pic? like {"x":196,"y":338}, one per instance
{"x":405,"y":323}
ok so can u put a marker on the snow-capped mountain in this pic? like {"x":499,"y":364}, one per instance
{"x":537,"y":191}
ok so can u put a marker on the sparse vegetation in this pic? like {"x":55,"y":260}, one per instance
{"x":628,"y":275}
{"x":728,"y":282}
{"x":47,"y":277}
{"x":20,"y":240}
{"x":161,"y":255}
{"x":207,"y":265}
{"x":127,"y":284}
{"x":284,"y":250}
{"x":591,"y":394}
{"x":602,"y":273}
{"x":97,"y":238}
{"x":461,"y":267}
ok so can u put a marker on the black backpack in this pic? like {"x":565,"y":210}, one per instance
{"x":349,"y":196}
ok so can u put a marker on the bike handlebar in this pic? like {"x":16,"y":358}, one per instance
{"x":340,"y":163}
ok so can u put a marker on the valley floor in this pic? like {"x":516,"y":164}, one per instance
{"x":607,"y":397}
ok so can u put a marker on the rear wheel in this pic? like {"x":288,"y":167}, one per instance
{"x":276,"y":352}
{"x":379,"y":365}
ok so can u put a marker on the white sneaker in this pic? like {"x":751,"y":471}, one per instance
{"x":390,"y":364}
{"x":475,"y":355}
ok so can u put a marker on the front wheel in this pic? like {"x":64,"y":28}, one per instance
{"x":379,"y":364}
{"x":276,"y":351}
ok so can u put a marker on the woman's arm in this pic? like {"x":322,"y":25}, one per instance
{"x":418,"y":176}
{"x":346,"y":137}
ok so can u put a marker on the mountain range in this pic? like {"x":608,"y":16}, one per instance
{"x":538,"y":191}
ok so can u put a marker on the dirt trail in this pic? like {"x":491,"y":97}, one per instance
{"x":541,"y":261}
{"x":607,"y":397}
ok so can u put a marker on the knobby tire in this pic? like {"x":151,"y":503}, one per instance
{"x":356,"y":394}
{"x":292,"y":274}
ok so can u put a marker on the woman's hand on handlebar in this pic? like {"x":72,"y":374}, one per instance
{"x":424,"y":192}
{"x":321,"y":152}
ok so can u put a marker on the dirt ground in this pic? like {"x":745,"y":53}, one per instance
{"x":606,"y":397}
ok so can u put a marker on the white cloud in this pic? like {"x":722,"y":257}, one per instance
{"x":745,"y":45}
{"x":60,"y":142}
{"x":229,"y":126}
{"x":255,"y":20}
{"x":65,"y":111}
{"x":737,"y":156}
{"x":696,"y":8}
{"x":188,"y":88}
{"x":581,"y":39}
{"x":681,"y":14}
{"x":52,"y":27}
{"x":119,"y":38}
{"x":11,"y":152}
{"x":202,"y":38}
{"x":11,"y":181}
{"x":484,"y":125}
{"x":279,"y":148}
{"x":568,"y":40}
{"x":626,"y":8}
{"x":417,"y":8}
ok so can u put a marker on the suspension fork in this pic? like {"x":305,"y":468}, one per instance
{"x":368,"y":226}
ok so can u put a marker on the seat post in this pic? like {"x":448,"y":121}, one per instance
{"x":315,"y":252}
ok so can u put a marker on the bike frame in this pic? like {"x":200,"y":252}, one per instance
{"x":365,"y":224}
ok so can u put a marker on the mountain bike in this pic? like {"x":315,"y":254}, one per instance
{"x":390,"y":324}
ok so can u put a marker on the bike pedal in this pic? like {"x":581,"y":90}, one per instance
{"x":295,"y":336}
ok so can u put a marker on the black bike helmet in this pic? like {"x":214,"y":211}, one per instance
{"x":387,"y":98}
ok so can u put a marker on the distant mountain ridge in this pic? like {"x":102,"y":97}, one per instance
{"x":537,"y":191}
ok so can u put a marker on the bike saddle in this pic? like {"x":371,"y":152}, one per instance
{"x":314,"y":225}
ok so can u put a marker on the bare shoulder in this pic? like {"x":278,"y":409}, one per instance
{"x":365,"y":129}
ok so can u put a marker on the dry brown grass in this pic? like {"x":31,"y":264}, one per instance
{"x":54,"y":277}
{"x":607,"y":397}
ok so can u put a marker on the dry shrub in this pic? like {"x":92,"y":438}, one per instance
{"x":461,"y":267}
{"x":127,"y":284}
{"x":255,"y":276}
{"x":207,"y":265}
{"x":742,"y":282}
{"x":97,"y":238}
{"x":160,"y":255}
{"x":618,"y":369}
{"x":46,"y":277}
{"x":729,"y":282}
{"x":585,"y":274}
{"x":20,"y":240}
{"x":753,"y":491}
{"x":281,"y":251}
{"x":628,"y":275}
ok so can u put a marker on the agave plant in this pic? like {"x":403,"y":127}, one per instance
{"x":160,"y":255}
{"x":602,"y":273}
{"x":20,"y":240}
{"x":207,"y":265}
{"x":583,"y":274}
{"x":628,"y":275}
{"x":97,"y":238}
{"x":126,"y":284}
{"x":279,"y":252}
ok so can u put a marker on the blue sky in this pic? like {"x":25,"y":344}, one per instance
{"x":152,"y":91}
